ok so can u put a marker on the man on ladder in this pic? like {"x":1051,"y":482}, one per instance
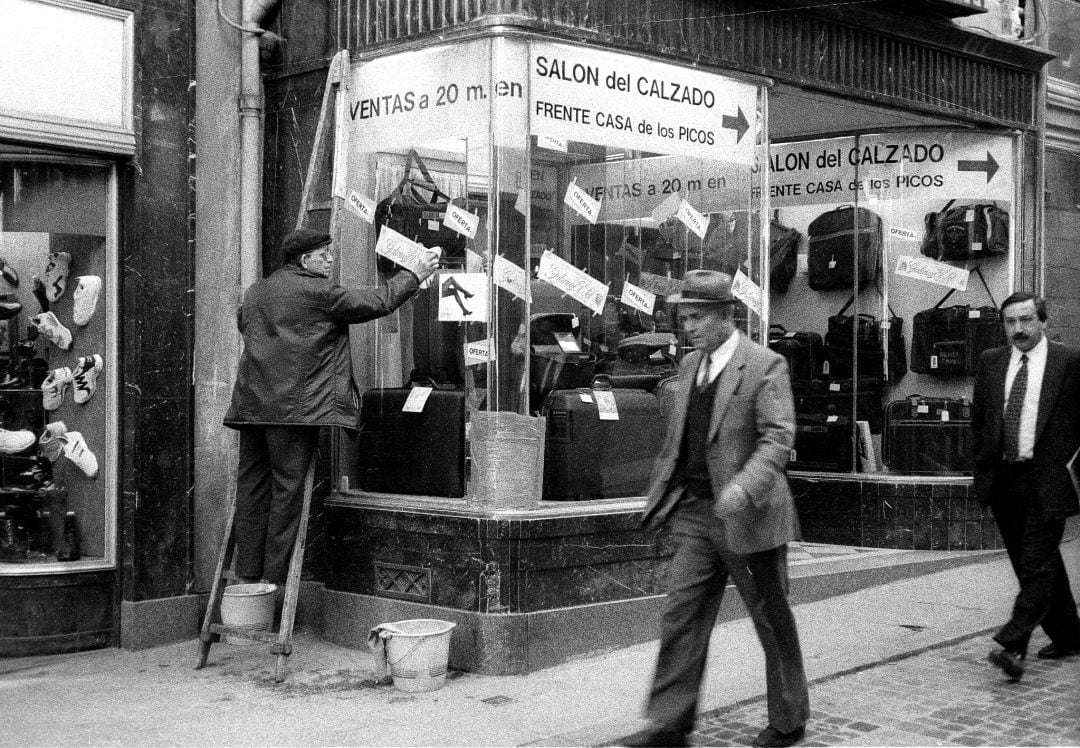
{"x":295,"y":375}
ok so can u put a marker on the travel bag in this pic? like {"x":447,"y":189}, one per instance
{"x":589,"y":458}
{"x":804,"y":351}
{"x":420,"y":454}
{"x":928,"y":435}
{"x":842,"y":242}
{"x":838,"y":396}
{"x":550,"y":366}
{"x":948,"y":340}
{"x":966,"y":232}
{"x":823,"y":443}
{"x":862,"y":338}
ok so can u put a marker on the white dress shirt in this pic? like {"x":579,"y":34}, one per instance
{"x":1036,"y":365}
{"x":714,"y":363}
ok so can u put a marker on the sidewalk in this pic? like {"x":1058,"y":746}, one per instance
{"x":153,"y":697}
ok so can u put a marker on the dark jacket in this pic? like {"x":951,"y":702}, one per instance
{"x":1057,"y":426}
{"x":296,"y":368}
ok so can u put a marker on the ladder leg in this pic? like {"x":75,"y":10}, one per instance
{"x":213,"y":606}
{"x":292,"y":585}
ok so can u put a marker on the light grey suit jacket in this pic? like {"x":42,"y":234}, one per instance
{"x":751,"y":436}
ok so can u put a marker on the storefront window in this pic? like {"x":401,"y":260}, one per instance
{"x":57,"y":355}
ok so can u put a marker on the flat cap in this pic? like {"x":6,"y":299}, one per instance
{"x":302,"y":241}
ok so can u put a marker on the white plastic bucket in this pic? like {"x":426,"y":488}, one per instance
{"x":247,"y":606}
{"x":417,"y":652}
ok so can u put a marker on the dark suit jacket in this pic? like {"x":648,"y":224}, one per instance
{"x":1057,"y":429}
{"x":751,"y":435}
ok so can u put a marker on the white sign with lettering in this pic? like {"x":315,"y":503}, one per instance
{"x":900,"y":233}
{"x":746,"y":291}
{"x":510,"y":277}
{"x":581,"y":202}
{"x":477,"y":351}
{"x":932,"y":271}
{"x":573,"y":282}
{"x":461,"y":220}
{"x":361,"y":206}
{"x":659,"y":284}
{"x":638,"y":298}
{"x":417,"y":399}
{"x":693,"y":220}
{"x":606,"y":407}
{"x":400,"y":249}
{"x":551,"y":143}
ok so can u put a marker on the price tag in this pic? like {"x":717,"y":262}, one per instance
{"x":933,"y":362}
{"x":566,"y":342}
{"x":461,"y":220}
{"x":416,"y":400}
{"x":922,"y":408}
{"x":974,"y":314}
{"x":361,"y":206}
{"x":944,"y":415}
{"x":831,"y":419}
{"x":585,"y":397}
{"x":605,"y":405}
{"x":834,"y":386}
{"x":969,"y":215}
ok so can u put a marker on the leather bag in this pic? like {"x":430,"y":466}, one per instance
{"x":966,"y":232}
{"x":947,"y":341}
{"x":864,"y":339}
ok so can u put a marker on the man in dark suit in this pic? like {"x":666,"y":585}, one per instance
{"x":720,"y":482}
{"x":1026,"y":423}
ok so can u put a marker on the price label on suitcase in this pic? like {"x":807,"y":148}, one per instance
{"x":418,"y":397}
{"x":605,"y":405}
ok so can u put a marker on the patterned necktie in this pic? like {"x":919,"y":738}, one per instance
{"x":1011,"y":436}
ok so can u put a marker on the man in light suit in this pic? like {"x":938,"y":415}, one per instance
{"x":1026,"y":424}
{"x":719,"y":481}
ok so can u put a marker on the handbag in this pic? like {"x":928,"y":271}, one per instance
{"x":834,"y":238}
{"x":415,"y":209}
{"x":948,"y":341}
{"x":966,"y":232}
{"x":865,"y":341}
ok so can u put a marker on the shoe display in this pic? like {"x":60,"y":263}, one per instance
{"x":40,"y":295}
{"x":86,"y":296}
{"x":49,"y":445}
{"x":9,"y":309}
{"x":12,"y":442}
{"x":84,"y":377}
{"x":9,"y":380}
{"x":8,"y":273}
{"x":69,"y":545}
{"x":1011,"y":663}
{"x":54,"y":386}
{"x":56,"y":275}
{"x":1054,"y":652}
{"x":51,"y":327}
{"x":11,"y":547}
{"x":771,"y":737}
{"x":75,"y":449}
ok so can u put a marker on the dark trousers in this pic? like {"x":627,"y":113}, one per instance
{"x":698,"y":576}
{"x":1032,"y":540}
{"x":274,"y":461}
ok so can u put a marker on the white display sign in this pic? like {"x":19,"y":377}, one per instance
{"x":461,"y":220}
{"x":566,"y":342}
{"x":477,"y":352}
{"x":551,"y":143}
{"x":581,"y":203}
{"x":597,"y":96}
{"x":573,"y":282}
{"x":932,"y":271}
{"x":606,"y":407}
{"x":463,"y":297}
{"x":659,"y":284}
{"x":402,"y":250}
{"x":510,"y":277}
{"x":361,"y":206}
{"x":417,"y":399}
{"x":692,"y":219}
{"x":901,"y":233}
{"x":746,"y":291}
{"x":638,"y":298}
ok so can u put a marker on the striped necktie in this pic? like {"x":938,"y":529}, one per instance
{"x":1011,"y":435}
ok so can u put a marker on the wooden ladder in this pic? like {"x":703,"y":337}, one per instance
{"x":281,"y":641}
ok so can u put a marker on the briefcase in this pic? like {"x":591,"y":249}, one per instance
{"x":823,"y":443}
{"x":419,"y":454}
{"x":804,"y":351}
{"x":588,"y":458}
{"x":928,"y":435}
{"x":835,"y":397}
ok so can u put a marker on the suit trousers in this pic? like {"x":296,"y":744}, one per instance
{"x":1032,"y":540}
{"x":698,"y":576}
{"x":274,"y":462}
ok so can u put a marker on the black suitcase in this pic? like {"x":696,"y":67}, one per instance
{"x":833,"y":238}
{"x":420,"y":454}
{"x":804,"y":351}
{"x":928,"y":435}
{"x":823,"y":443}
{"x":586,"y":458}
{"x":834,"y":397}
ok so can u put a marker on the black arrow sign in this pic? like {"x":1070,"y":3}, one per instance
{"x":737,"y":123}
{"x":990,"y":166}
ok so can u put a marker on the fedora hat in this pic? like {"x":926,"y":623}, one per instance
{"x":704,"y":287}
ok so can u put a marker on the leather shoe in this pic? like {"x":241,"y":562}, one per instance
{"x":654,"y":736}
{"x":1011,"y":662}
{"x":1054,"y":652}
{"x":770,"y":736}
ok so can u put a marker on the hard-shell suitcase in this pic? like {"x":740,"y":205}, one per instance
{"x":588,"y":458}
{"x":834,"y":397}
{"x":823,"y":443}
{"x":804,"y":351}
{"x":928,"y":435}
{"x":412,"y":453}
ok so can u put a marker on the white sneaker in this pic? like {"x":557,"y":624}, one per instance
{"x":55,"y":387}
{"x":84,"y":377}
{"x":86,"y":296}
{"x":49,"y":444}
{"x":56,"y":273}
{"x":51,"y":327}
{"x":16,"y":441}
{"x":75,"y":449}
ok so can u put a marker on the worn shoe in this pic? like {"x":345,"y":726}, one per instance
{"x":770,"y":736}
{"x":1054,"y":652}
{"x":49,"y":326}
{"x":54,"y":387}
{"x":1010,"y":662}
{"x":75,"y":449}
{"x":9,"y":309}
{"x":12,"y":442}
{"x":86,"y":296}
{"x":84,"y":377}
{"x":49,"y":445}
{"x":40,"y":295}
{"x":56,"y":275}
{"x":8,"y":273}
{"x":654,"y":736}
